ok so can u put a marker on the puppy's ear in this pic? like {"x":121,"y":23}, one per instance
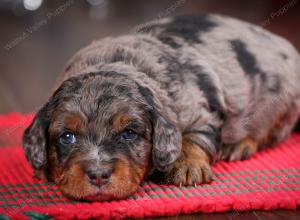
{"x":34,"y":144}
{"x":166,"y":142}
{"x":35,"y":138}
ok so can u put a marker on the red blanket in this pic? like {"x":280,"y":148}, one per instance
{"x":269,"y":180}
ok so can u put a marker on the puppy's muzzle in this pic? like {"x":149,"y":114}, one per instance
{"x":99,"y":176}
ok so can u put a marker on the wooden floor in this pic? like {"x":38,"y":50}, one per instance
{"x":254,"y":215}
{"x":35,"y":47}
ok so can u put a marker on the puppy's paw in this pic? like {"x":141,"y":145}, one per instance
{"x":191,"y":168}
{"x":241,"y":151}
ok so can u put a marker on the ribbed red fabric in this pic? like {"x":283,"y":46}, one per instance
{"x":269,"y":180}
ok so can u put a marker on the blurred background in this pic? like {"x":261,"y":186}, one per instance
{"x":39,"y":36}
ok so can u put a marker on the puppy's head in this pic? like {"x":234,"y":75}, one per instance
{"x":99,"y":135}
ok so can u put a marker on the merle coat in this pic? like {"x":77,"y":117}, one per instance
{"x":213,"y":78}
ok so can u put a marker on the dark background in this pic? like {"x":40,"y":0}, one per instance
{"x":35,"y":45}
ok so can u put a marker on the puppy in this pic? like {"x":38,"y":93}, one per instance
{"x":176,"y":96}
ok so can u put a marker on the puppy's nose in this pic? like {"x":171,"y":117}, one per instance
{"x":99,"y":176}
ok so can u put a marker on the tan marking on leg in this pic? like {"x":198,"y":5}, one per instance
{"x":240,"y":151}
{"x":192,"y":166}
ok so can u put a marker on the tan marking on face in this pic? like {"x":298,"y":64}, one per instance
{"x":126,"y":178}
{"x":75,"y":122}
{"x":76,"y":183}
{"x":120,"y":121}
{"x":72,"y":179}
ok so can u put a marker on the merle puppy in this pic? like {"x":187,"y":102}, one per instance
{"x":176,"y":96}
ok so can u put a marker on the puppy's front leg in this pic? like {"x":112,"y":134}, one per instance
{"x":198,"y":150}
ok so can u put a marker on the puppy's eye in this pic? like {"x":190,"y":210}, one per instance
{"x":129,"y":134}
{"x":67,"y":138}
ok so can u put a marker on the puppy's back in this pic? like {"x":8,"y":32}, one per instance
{"x":258,"y":71}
